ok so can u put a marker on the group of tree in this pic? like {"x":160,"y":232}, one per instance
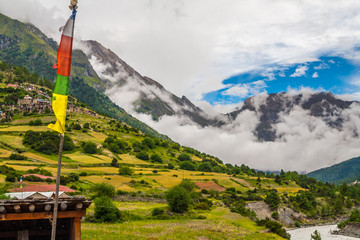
{"x":47,"y":142}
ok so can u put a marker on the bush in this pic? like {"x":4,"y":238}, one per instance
{"x":142,"y":156}
{"x":114,"y":162}
{"x":178,"y":199}
{"x":272,"y":199}
{"x":170,"y":166}
{"x":124,"y":170}
{"x":90,"y":148}
{"x":188,"y":166}
{"x":184,"y":157}
{"x":47,"y":142}
{"x":103,"y":189}
{"x":205,"y":167}
{"x":274,"y":227}
{"x":105,"y":210}
{"x":15,"y":156}
{"x":156,"y":158}
{"x":37,"y":122}
{"x":275,"y":215}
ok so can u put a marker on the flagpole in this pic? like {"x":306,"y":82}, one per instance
{"x":54,"y":221}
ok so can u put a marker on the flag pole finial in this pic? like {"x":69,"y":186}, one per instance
{"x":73,"y":4}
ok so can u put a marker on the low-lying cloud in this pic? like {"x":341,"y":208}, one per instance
{"x":304,"y":143}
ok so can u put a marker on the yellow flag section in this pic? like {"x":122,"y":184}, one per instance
{"x":59,"y":105}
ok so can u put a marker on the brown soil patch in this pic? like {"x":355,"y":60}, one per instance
{"x":210,"y":186}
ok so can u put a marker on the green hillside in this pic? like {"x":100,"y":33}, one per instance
{"x":347,"y":171}
{"x":141,"y":169}
{"x":25,"y":45}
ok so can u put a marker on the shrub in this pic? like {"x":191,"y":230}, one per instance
{"x":205,"y":167}
{"x":272,"y":199}
{"x":148,"y":143}
{"x":47,"y":142}
{"x":103,"y":189}
{"x":142,"y":156}
{"x":105,"y":210}
{"x":188,"y":166}
{"x":15,"y":156}
{"x":90,"y":148}
{"x":275,"y":215}
{"x":178,"y":199}
{"x":170,"y":166}
{"x":184,"y":157}
{"x":124,"y":170}
{"x":156,"y":158}
{"x":114,"y":162}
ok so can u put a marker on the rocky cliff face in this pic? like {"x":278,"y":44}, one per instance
{"x":145,"y":94}
{"x":272,"y":107}
{"x":351,"y":230}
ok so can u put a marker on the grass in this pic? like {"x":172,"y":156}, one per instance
{"x":20,"y":162}
{"x":98,"y":136}
{"x":84,"y":158}
{"x":2,"y":178}
{"x":24,"y":128}
{"x":116,"y":180}
{"x":39,"y":157}
{"x":28,"y":119}
{"x":14,"y":141}
{"x":221,"y":224}
{"x":4,"y":153}
{"x":127,"y":158}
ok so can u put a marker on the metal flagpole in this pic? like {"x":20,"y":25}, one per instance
{"x":54,"y":221}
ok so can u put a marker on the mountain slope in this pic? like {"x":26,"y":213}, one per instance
{"x":147,"y":95}
{"x":272,"y":107}
{"x":347,"y":171}
{"x":25,"y":45}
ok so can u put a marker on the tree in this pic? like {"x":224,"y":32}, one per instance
{"x":87,"y":125}
{"x":105,"y":210}
{"x":156,"y":158}
{"x":178,"y":199}
{"x":147,"y":142}
{"x":188,"y":166}
{"x":124,"y":170}
{"x":142,"y":156}
{"x":184,"y":157}
{"x":103,"y":189}
{"x":316,"y":235}
{"x":205,"y":167}
{"x":90,"y":148}
{"x":272,"y":199}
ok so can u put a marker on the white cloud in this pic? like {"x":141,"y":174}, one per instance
{"x":300,"y":71}
{"x":190,"y":46}
{"x":246,"y":89}
{"x":306,"y":142}
{"x":315,"y":75}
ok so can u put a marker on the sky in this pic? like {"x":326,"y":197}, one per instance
{"x":219,"y":52}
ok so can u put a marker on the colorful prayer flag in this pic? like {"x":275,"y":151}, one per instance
{"x":63,"y":65}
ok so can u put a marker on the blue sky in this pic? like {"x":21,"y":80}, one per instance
{"x":334,"y":74}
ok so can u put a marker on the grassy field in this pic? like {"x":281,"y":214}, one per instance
{"x":2,"y":178}
{"x":220,"y":224}
{"x":84,"y":158}
{"x":24,"y":128}
{"x":28,"y":119}
{"x":4,"y":153}
{"x":14,"y":141}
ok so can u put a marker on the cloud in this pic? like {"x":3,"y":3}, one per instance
{"x":246,"y":89}
{"x":305,"y":142}
{"x":300,"y":71}
{"x":191,"y":46}
{"x":315,"y":75}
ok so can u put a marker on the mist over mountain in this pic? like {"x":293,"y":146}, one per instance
{"x":299,"y":130}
